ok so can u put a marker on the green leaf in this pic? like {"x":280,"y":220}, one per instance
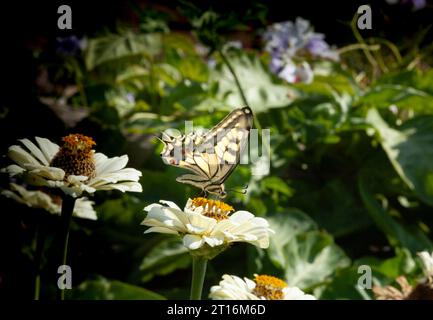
{"x":114,"y":46}
{"x":260,"y":91}
{"x":344,"y":285}
{"x":104,"y":289}
{"x":408,"y":89}
{"x":401,"y":263}
{"x":312,"y":257}
{"x":410,"y":151}
{"x":398,"y":234}
{"x":305,"y":255}
{"x":164,"y":258}
{"x":286,"y":226}
{"x":276,"y":184}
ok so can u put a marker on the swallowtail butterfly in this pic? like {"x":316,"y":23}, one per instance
{"x":210,"y":157}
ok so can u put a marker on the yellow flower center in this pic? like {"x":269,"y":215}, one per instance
{"x":75,"y":156}
{"x":269,"y":287}
{"x":212,"y":208}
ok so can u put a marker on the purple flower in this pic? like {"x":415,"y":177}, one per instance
{"x":70,"y":46}
{"x":416,"y":4}
{"x":287,"y":42}
{"x":318,"y":47}
{"x":130,"y":98}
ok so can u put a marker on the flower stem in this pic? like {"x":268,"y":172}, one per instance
{"x":226,"y":61}
{"x":39,"y":249}
{"x":198,"y":273}
{"x":68,"y":204}
{"x":232,"y":71}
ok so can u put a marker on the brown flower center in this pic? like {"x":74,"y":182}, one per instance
{"x":269,"y":287}
{"x":212,"y":208}
{"x":75,"y":156}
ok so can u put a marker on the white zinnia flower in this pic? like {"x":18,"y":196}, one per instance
{"x":207,"y":222}
{"x":263,"y":287}
{"x":427,"y":261}
{"x":38,"y":199}
{"x":74,"y":167}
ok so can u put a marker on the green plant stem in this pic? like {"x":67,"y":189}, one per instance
{"x":198,"y":272}
{"x":232,"y":71}
{"x":244,"y":98}
{"x":39,"y":249}
{"x":68,"y":204}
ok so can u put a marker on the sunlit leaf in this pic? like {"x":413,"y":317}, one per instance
{"x":256,"y":82}
{"x":410,"y":150}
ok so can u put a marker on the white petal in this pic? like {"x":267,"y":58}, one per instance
{"x":294,"y":293}
{"x":233,"y":288}
{"x":121,"y":186}
{"x":13,"y":170}
{"x":48,"y":148}
{"x":35,"y":151}
{"x":200,"y":224}
{"x":192,"y":242}
{"x":104,"y":164}
{"x":171,"y":204}
{"x":427,"y":260}
{"x":51,"y":173}
{"x":150,"y":206}
{"x":21,"y":157}
{"x":213,"y":241}
{"x":241,"y":216}
{"x":161,"y":230}
{"x":84,"y":209}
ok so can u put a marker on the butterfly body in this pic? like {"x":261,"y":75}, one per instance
{"x":210,"y":157}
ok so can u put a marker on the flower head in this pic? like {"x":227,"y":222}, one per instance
{"x":74,"y":167}
{"x":287,"y":42}
{"x":263,"y":287}
{"x":39,"y":199}
{"x":205,"y":224}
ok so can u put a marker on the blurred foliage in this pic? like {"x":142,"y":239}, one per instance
{"x":351,"y":177}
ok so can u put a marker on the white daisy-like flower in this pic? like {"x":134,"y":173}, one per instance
{"x":207,"y":222}
{"x":427,"y":261}
{"x":38,"y":199}
{"x":74,"y":167}
{"x":263,"y":287}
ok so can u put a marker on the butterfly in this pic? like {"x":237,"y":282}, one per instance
{"x":210,"y":157}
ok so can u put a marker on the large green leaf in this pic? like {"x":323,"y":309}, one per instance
{"x":115,"y":46}
{"x":256,"y":82}
{"x":398,"y":234}
{"x":104,"y":289}
{"x":164,"y":258}
{"x":409,"y":89}
{"x":410,"y":150}
{"x":311,"y":257}
{"x":286,"y":226}
{"x":305,"y":255}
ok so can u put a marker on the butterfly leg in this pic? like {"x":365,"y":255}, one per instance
{"x":203,"y":193}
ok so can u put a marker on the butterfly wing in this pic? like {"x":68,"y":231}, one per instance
{"x":210,"y":157}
